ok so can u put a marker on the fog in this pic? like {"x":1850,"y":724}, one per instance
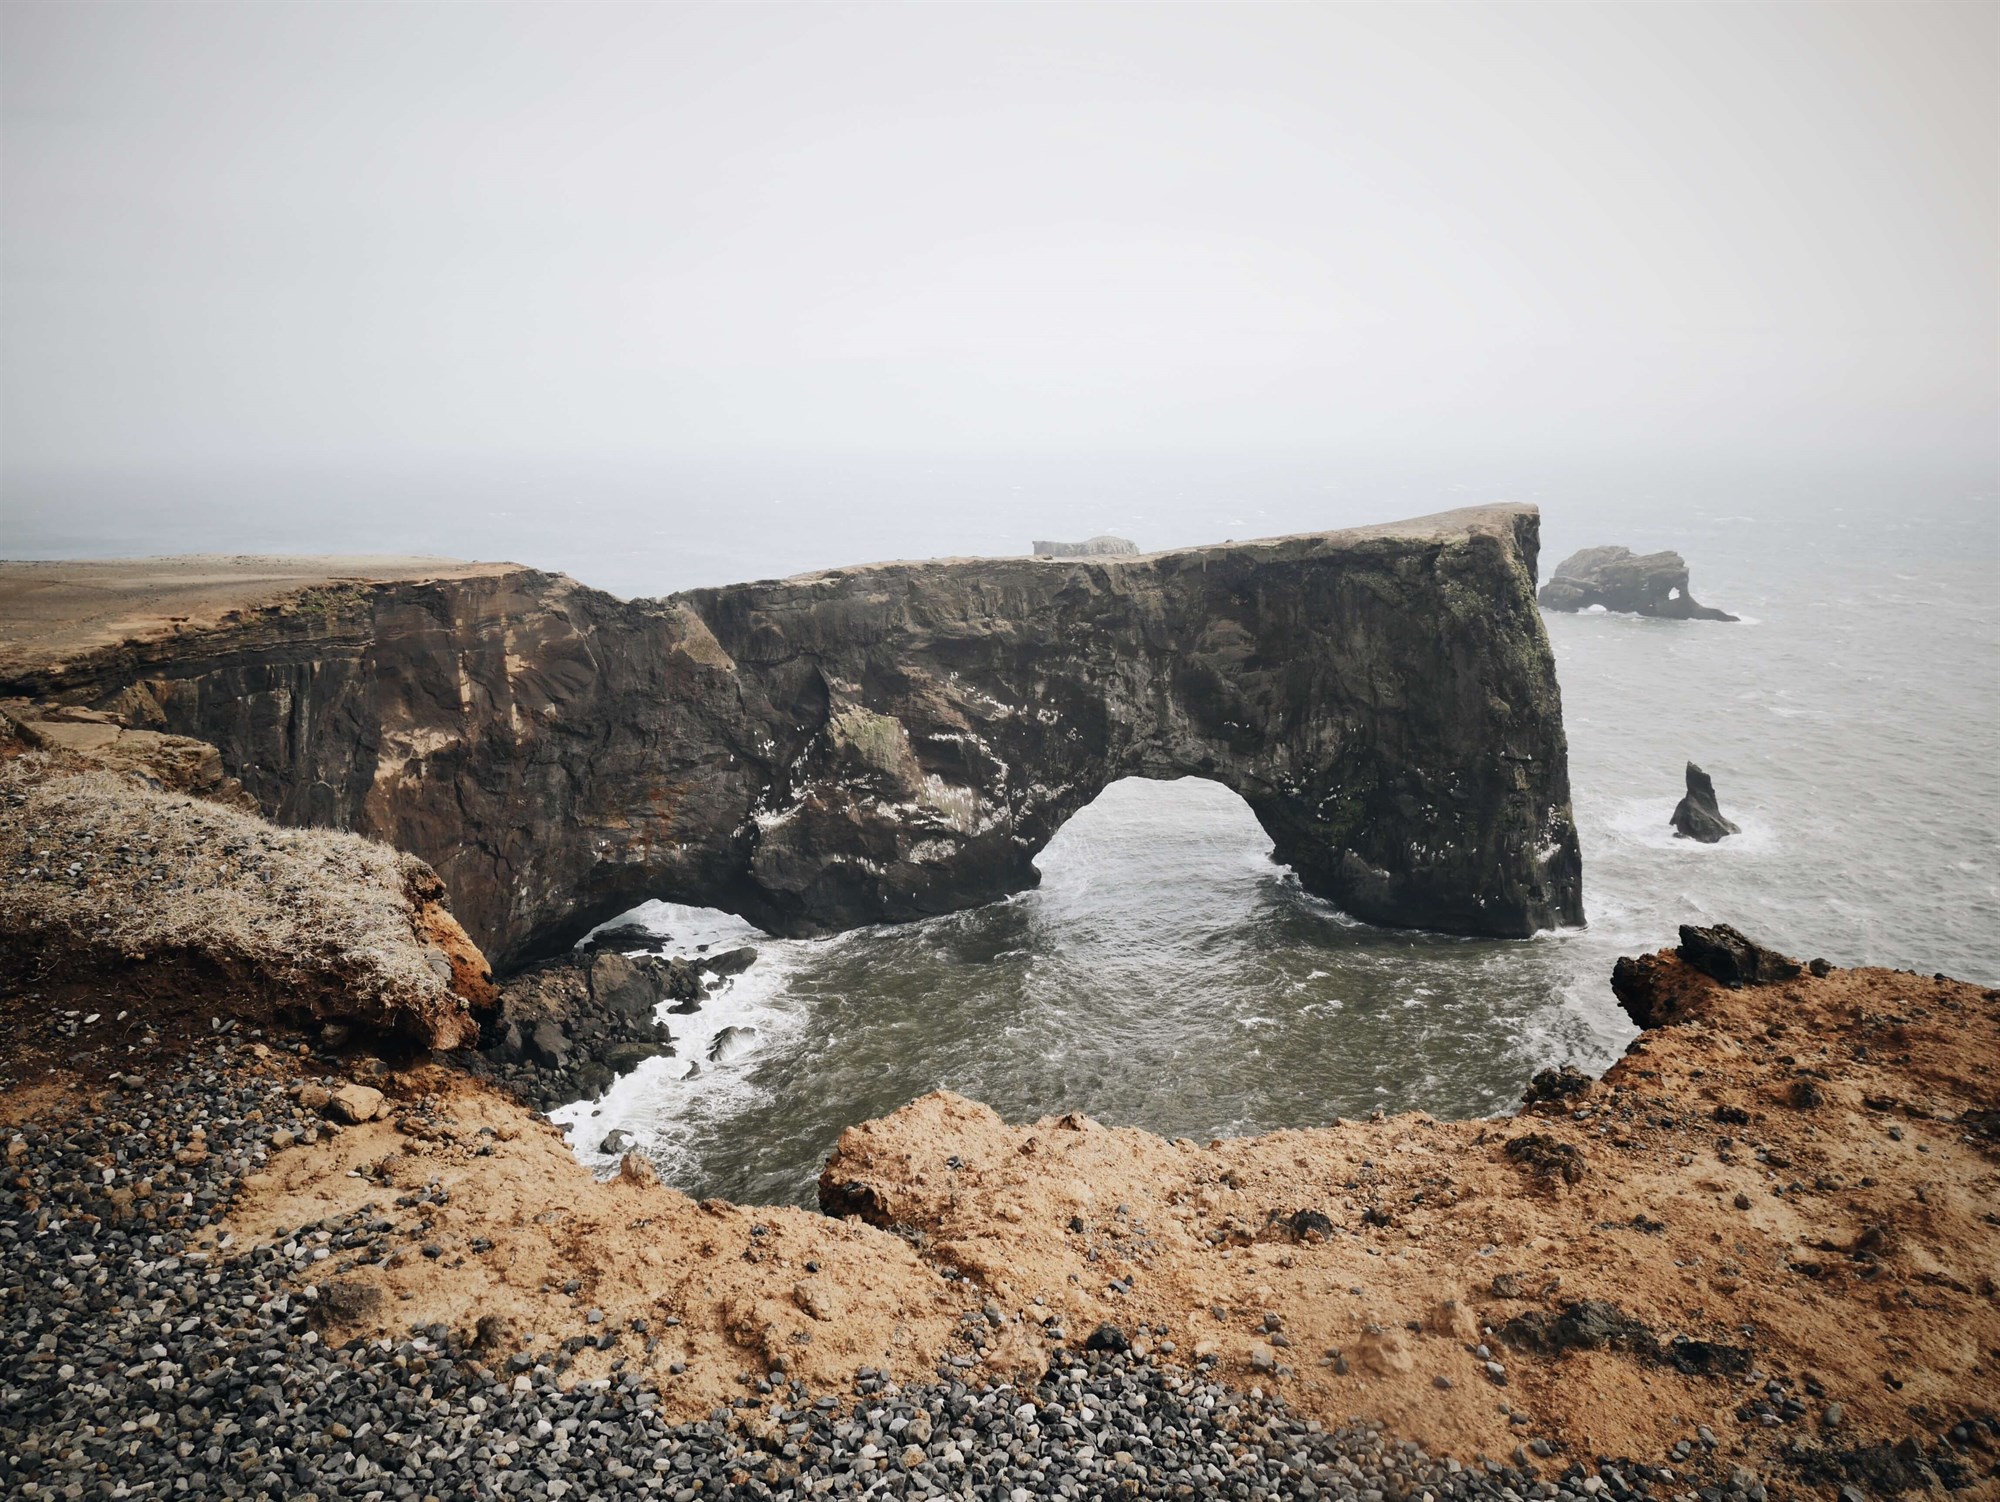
{"x":476,"y":277}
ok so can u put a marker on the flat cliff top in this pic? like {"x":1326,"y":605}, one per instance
{"x":1495,"y":520}
{"x":51,"y":612}
{"x":54,"y":612}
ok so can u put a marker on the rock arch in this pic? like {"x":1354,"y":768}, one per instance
{"x":887,"y":742}
{"x":1384,"y":701}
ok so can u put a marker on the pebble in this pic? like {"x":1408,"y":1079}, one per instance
{"x":137,"y":1362}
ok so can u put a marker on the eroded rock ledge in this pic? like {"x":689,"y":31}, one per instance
{"x":897,"y":740}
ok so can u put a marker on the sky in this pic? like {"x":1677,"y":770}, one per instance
{"x":406,"y":239}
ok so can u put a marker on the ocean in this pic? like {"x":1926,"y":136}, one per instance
{"x":1167,"y":973}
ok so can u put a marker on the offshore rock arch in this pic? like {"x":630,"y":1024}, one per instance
{"x":887,"y":742}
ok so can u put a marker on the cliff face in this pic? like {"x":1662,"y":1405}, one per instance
{"x":887,"y":742}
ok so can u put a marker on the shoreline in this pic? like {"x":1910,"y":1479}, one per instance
{"x":256,"y":1209}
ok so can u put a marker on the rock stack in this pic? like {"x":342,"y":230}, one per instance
{"x":1697,"y":816}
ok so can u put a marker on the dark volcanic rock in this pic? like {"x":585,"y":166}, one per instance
{"x":1651,"y":989}
{"x":567,"y":1027}
{"x":729,"y":962}
{"x":1726,"y":955}
{"x":626,"y":936}
{"x":1619,"y":579}
{"x":893,"y":741}
{"x":1697,"y":816}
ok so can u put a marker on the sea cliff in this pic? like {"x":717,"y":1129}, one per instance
{"x":891,"y":741}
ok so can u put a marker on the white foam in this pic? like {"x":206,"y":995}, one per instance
{"x":663,"y":1102}
{"x":1647,"y":822}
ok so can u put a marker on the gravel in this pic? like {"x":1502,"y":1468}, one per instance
{"x":137,"y":1362}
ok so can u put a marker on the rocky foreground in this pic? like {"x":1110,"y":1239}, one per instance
{"x":1757,"y":1259}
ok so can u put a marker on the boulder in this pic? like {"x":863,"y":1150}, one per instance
{"x":1619,"y":579}
{"x":1725,"y":954}
{"x":731,"y":1044}
{"x":626,"y":936}
{"x":1697,"y":816}
{"x":623,"y":1058}
{"x":622,"y":985}
{"x":547,"y":1044}
{"x":729,"y":962}
{"x":355,"y":1103}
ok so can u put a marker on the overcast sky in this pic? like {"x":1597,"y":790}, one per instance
{"x":406,"y":234}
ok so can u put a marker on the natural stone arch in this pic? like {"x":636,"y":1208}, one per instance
{"x":1384,"y":702}
{"x":887,"y":742}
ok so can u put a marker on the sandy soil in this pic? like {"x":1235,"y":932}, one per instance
{"x":53,"y":612}
{"x":1858,"y":1267}
{"x":726,"y":1290}
{"x":1807,"y":1172}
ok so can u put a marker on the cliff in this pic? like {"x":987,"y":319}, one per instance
{"x":887,"y":742}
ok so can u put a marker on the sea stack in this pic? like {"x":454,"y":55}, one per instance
{"x":1696,"y":816}
{"x":1619,"y":579}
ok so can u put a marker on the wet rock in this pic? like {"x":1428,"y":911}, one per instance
{"x":1727,"y":955}
{"x":623,"y":1058}
{"x":615,"y":1142}
{"x":731,"y":1044}
{"x":729,"y":962}
{"x":1697,"y":816}
{"x":625,"y":936}
{"x":567,"y":1028}
{"x":1616,"y":578}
